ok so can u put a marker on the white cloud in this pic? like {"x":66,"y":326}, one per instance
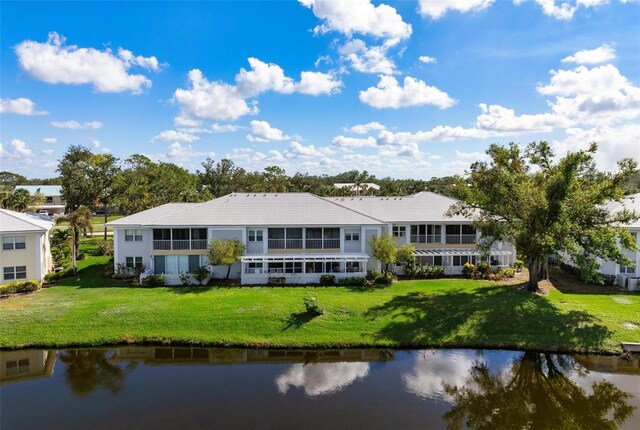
{"x":600,"y":95}
{"x":222,"y":101}
{"x":388,"y":94}
{"x":600,"y":54}
{"x":175,"y":136}
{"x":261,"y":131}
{"x":367,"y":59}
{"x":183,"y":153}
{"x":297,"y":150}
{"x":438,"y":8}
{"x":56,"y":63}
{"x":75,"y":125}
{"x":359,"y":16}
{"x":210,"y":100}
{"x":20,"y":106}
{"x":565,"y":9}
{"x":426,"y":59}
{"x":50,"y":140}
{"x":354,"y":142}
{"x":365,"y":128}
{"x":316,"y":83}
{"x":47,"y":151}
{"x":498,"y":118}
{"x":321,"y":378}
{"x":614,"y":143}
{"x":95,"y":143}
{"x":20,"y":149}
{"x":223,"y":128}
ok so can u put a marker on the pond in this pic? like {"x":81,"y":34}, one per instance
{"x":191,"y":388}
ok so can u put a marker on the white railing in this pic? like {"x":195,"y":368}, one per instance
{"x":323,"y":243}
{"x":426,"y":238}
{"x":180,"y":245}
{"x":285,"y":243}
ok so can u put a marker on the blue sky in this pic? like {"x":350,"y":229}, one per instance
{"x":404,"y":89}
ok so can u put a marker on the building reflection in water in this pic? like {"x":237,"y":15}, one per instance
{"x":18,"y":366}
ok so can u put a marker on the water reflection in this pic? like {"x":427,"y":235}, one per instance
{"x":181,"y":387}
{"x":321,"y":379}
{"x":535,"y":392}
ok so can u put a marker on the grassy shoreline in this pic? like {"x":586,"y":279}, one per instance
{"x":88,"y":310}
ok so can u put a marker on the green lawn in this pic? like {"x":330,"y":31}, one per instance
{"x":97,"y":221}
{"x":90,"y":310}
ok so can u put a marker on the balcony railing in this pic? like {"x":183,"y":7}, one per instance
{"x":426,"y":238}
{"x":285,"y":243}
{"x":460,"y":239}
{"x":180,"y":245}
{"x":323,"y":243}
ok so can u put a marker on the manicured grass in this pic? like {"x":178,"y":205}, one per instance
{"x":97,"y":221}
{"x":90,"y":310}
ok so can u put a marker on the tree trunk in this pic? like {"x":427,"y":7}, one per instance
{"x":228,"y":271}
{"x":544,"y":273}
{"x":534,"y":268}
{"x":105,"y":221}
{"x":74,"y":250}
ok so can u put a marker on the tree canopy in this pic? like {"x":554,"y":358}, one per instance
{"x":548,"y":208}
{"x":225,"y":252}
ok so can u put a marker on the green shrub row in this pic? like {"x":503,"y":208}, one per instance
{"x":485,"y":271}
{"x":19,"y":287}
{"x":56,"y":276}
{"x":152,"y":281}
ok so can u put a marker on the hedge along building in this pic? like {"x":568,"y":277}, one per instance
{"x":25,"y":253}
{"x":298,"y":236}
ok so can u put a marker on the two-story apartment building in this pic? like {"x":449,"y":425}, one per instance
{"x":53,"y":202}
{"x":296,"y":235}
{"x":624,"y":274}
{"x":25,"y":253}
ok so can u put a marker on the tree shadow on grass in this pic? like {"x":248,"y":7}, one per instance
{"x":191,"y":289}
{"x":490,"y":316}
{"x":297,"y":320}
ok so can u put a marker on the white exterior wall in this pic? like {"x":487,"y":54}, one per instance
{"x":124,"y":249}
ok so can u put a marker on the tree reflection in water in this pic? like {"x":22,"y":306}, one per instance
{"x":89,"y":369}
{"x":535,"y":394}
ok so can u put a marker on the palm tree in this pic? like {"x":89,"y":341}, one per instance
{"x":79,"y":220}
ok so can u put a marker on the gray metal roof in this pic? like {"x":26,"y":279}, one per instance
{"x":47,"y":190}
{"x":632,"y":203}
{"x":420,"y":207}
{"x":251,"y":209}
{"x":16,"y":222}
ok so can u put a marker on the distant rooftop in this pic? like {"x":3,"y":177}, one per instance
{"x":357,"y":187}
{"x":47,"y":190}
{"x":631,"y":203}
{"x":17,"y":222}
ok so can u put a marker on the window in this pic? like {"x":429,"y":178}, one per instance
{"x":133,"y":262}
{"x":255,"y":236}
{"x":313,"y":267}
{"x":15,"y":272}
{"x":174,"y":264}
{"x":293,"y":267}
{"x":627,"y":270}
{"x":352,"y":234}
{"x":461,"y":260}
{"x":133,"y":235}
{"x":49,"y":200}
{"x":254,"y":267}
{"x":14,"y":242}
{"x":354,"y":266}
{"x":399,"y":231}
{"x":16,"y":367}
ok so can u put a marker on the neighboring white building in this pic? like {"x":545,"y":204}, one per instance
{"x":25,"y":253}
{"x":624,"y":273}
{"x":53,"y":203}
{"x":296,"y":235}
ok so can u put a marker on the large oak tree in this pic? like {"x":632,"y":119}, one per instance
{"x":547,"y":207}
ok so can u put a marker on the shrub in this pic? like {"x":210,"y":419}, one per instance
{"x":387,"y":278}
{"x":185,"y":278}
{"x":56,"y":276}
{"x":81,"y":256}
{"x":19,"y":287}
{"x":108,"y":271}
{"x":352,"y":281}
{"x":276,"y":280}
{"x":152,"y":281}
{"x":312,"y":306}
{"x":105,"y":247}
{"x":327,"y":280}
{"x":411,"y":267}
{"x":608,"y":279}
{"x":470,"y":270}
{"x":373,"y":275}
{"x":120,"y":275}
{"x":201,"y":274}
{"x":484,"y":270}
{"x":431,"y":272}
{"x":506,"y":272}
{"x":518,"y":265}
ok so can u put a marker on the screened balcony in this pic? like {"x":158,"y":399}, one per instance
{"x":179,"y":239}
{"x":460,"y":235}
